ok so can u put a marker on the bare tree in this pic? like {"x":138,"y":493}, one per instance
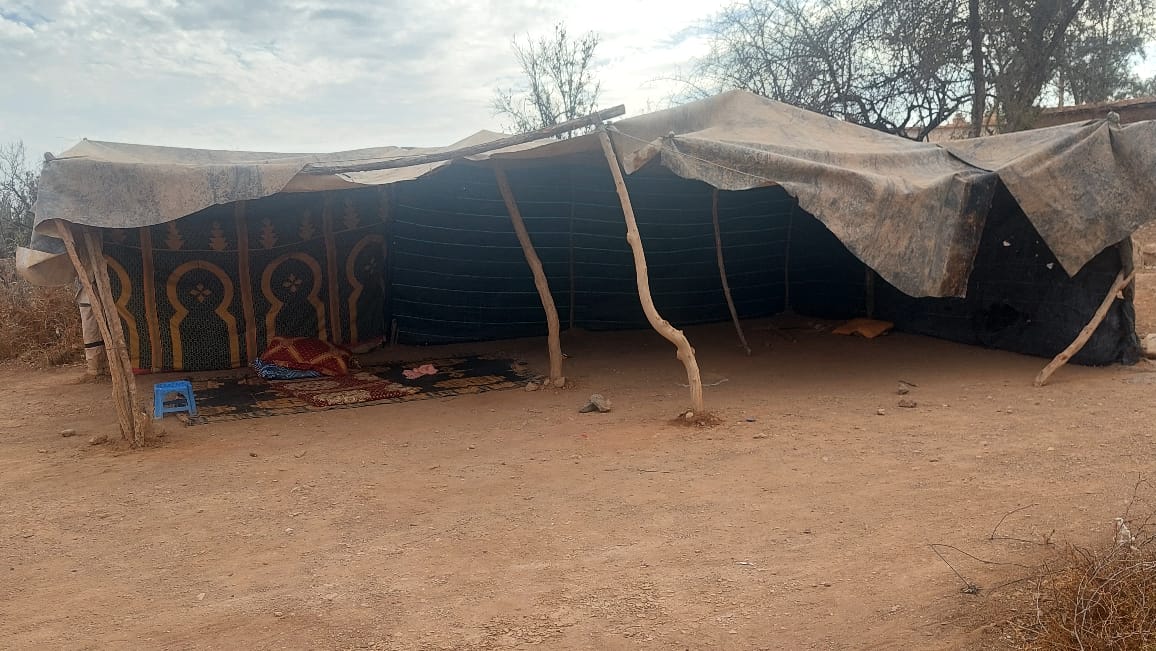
{"x":978,"y":75}
{"x":1025,"y":40}
{"x":1140,"y":88}
{"x":559,"y":81}
{"x":1100,"y":54}
{"x":894,"y":65}
{"x":18,"y":183}
{"x":905,"y":66}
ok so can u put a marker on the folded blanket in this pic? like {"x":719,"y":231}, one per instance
{"x":307,"y":354}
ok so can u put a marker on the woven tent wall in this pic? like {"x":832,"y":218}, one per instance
{"x":208,"y":291}
{"x":437,"y":259}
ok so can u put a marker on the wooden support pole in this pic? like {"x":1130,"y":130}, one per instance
{"x":119,"y":354}
{"x":1122,"y":281}
{"x":662,"y":326}
{"x":570,"y":247}
{"x":119,"y":366}
{"x":722,"y":271}
{"x":472,"y":150}
{"x":1128,"y":257}
{"x":787,"y":258}
{"x":553,"y":327}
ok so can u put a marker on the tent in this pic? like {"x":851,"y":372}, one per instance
{"x":1007,"y":241}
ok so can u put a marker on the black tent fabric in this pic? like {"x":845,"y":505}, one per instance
{"x":1020,"y":299}
{"x":457,"y":272}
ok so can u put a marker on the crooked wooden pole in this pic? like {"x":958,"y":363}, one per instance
{"x":1129,"y":254}
{"x":722,"y":271}
{"x":1122,"y":280}
{"x":119,"y":366}
{"x":662,"y":326}
{"x":553,"y":327}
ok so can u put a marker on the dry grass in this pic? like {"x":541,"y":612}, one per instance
{"x":39,"y":326}
{"x":1102,"y":600}
{"x":1098,"y":599}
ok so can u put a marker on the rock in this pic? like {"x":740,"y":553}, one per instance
{"x":904,"y":388}
{"x":201,"y":597}
{"x":760,"y":436}
{"x":881,"y":411}
{"x":1148,"y":345}
{"x":560,"y":383}
{"x":277,"y":613}
{"x":1148,"y":255}
{"x":597,"y":403}
{"x":252,"y":454}
{"x":300,"y":454}
{"x":531,"y":386}
{"x":907,"y":403}
{"x":42,"y":451}
{"x":688,"y":415}
{"x":288,"y":530}
{"x":99,"y":439}
{"x":67,"y":432}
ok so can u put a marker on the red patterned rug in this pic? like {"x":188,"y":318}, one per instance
{"x":252,"y":397}
{"x":352,"y":389}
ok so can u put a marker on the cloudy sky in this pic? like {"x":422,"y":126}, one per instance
{"x":305,"y":75}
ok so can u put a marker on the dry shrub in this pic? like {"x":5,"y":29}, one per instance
{"x":39,"y":326}
{"x":1100,"y":599}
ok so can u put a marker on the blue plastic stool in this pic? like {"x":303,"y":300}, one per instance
{"x":182,"y":388}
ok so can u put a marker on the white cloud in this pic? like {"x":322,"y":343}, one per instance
{"x":294,"y":75}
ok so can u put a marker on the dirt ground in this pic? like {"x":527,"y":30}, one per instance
{"x":509,"y":520}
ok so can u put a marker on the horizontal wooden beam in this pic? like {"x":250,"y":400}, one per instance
{"x":406,"y":161}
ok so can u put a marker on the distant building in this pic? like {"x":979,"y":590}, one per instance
{"x":1129,"y":110}
{"x":957,"y":128}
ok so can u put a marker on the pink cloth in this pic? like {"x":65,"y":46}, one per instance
{"x":415,"y":373}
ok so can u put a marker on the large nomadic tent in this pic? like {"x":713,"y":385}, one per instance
{"x":1008,"y":241}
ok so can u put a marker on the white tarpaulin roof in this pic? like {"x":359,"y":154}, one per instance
{"x":912,"y":211}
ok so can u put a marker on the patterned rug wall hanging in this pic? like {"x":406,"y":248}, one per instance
{"x":209,"y":290}
{"x":253,"y":397}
